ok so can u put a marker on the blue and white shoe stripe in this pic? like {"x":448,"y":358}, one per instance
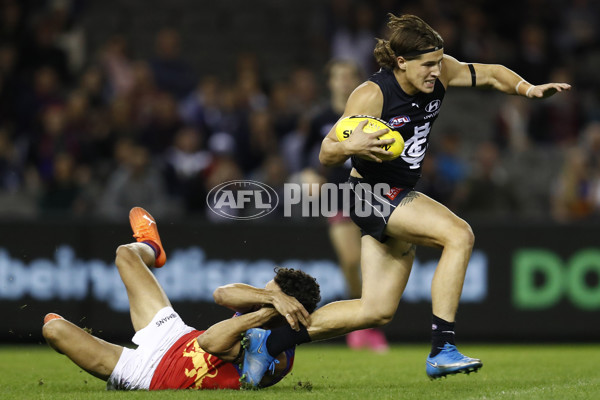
{"x":450,"y":361}
{"x":257,"y":359}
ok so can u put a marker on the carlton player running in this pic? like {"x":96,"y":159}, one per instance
{"x":171,"y":354}
{"x":407,"y":93}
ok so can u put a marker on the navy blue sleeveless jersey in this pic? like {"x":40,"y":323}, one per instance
{"x":413,"y":117}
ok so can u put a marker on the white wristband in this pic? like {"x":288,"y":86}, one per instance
{"x":517,"y":86}
{"x":529,"y":90}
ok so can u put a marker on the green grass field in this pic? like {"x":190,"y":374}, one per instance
{"x":335,"y":372}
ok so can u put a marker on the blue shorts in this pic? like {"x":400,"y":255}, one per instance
{"x":372,"y":205}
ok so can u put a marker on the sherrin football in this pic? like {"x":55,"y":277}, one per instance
{"x":346,"y":126}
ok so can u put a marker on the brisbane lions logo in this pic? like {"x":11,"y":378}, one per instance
{"x":202,"y":364}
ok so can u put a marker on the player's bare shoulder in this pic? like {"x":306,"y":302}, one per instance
{"x":366,"y":99}
{"x":454,"y":72}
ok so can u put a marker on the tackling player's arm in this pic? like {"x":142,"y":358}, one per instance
{"x":456,"y":73}
{"x":223,"y":339}
{"x":243,"y":298}
{"x":366,"y":99}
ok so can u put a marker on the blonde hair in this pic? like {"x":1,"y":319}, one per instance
{"x":409,"y":34}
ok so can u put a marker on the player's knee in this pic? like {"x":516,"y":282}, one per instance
{"x":467,"y":235}
{"x":53,"y":330}
{"x":124,"y":252}
{"x":219,"y":295}
{"x":461,"y":235}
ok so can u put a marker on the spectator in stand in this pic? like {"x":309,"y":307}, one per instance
{"x":61,"y":192}
{"x":258,"y":142}
{"x":224,"y":169}
{"x":579,"y":26}
{"x":40,"y":50}
{"x":285,"y":115}
{"x":431,"y":183}
{"x":43,"y":91}
{"x":511,"y":121}
{"x":91,"y":83}
{"x":135,"y":181}
{"x":249,"y":86}
{"x":476,"y":43}
{"x":121,"y":115}
{"x":233,"y":116}
{"x":201,"y":107}
{"x":144,"y":93}
{"x":9,"y":83}
{"x":11,"y":170}
{"x":70,"y":36}
{"x":444,"y":172}
{"x":19,"y":185}
{"x":118,"y":66}
{"x":163,"y":123}
{"x":52,"y":139}
{"x":273,"y":172}
{"x":13,"y":22}
{"x":353,"y":40}
{"x":171,"y":71}
{"x":559,"y":120}
{"x":77,"y":113}
{"x":487,"y":192}
{"x":576,"y":194}
{"x":591,"y":143}
{"x":100,"y":135}
{"x":450,"y":166}
{"x":572,"y":197}
{"x":534,"y":52}
{"x":186,"y":166}
{"x":303,"y":86}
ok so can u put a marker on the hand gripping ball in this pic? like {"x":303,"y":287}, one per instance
{"x":346,"y":126}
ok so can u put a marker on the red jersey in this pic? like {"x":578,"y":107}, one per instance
{"x":187,"y":366}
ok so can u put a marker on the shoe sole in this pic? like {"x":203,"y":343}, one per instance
{"x":467,"y":371}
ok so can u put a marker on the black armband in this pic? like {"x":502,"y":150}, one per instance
{"x":473,"y":75}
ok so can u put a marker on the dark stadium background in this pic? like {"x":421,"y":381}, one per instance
{"x":188,"y":94}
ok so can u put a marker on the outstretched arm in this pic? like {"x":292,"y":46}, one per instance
{"x":243,"y":298}
{"x":455,"y":73}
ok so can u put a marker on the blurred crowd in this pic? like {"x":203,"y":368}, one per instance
{"x":89,"y":132}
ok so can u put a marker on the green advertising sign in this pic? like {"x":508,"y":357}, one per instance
{"x":541,"y":279}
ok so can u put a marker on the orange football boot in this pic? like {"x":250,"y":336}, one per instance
{"x":50,"y":316}
{"x":145,"y":230}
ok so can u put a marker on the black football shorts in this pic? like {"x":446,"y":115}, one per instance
{"x":371,"y":205}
